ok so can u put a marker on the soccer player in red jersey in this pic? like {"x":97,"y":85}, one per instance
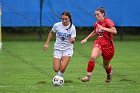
{"x":103,"y":45}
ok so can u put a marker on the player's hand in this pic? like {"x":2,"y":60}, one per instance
{"x":72,"y":40}
{"x":46,"y":46}
{"x":83,"y":41}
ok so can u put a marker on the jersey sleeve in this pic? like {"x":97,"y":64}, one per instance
{"x":110,"y":23}
{"x":73,"y":34}
{"x":54,"y":28}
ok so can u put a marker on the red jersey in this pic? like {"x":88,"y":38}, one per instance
{"x":104,"y":37}
{"x":104,"y":40}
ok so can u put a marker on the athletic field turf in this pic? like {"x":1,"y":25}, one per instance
{"x":26,"y":68}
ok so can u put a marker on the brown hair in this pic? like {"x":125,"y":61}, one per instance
{"x":101,"y":9}
{"x":69,"y":15}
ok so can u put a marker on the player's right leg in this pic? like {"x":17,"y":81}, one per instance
{"x":57,"y":61}
{"x":96,"y":52}
{"x":56,"y":64}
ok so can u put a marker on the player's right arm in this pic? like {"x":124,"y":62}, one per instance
{"x":89,"y":36}
{"x":48,"y":39}
{"x":51,"y":33}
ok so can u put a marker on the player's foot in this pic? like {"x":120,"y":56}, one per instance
{"x":109,"y":77}
{"x":85,"y":79}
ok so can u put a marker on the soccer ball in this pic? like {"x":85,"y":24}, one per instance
{"x":58,"y":81}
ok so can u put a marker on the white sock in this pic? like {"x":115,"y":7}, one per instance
{"x":89,"y":74}
{"x":59,"y":73}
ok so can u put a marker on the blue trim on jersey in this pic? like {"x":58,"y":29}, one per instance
{"x":63,"y":36}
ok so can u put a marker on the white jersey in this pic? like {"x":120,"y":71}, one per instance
{"x":63,"y":36}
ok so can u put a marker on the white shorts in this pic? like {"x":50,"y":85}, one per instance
{"x":60,"y":53}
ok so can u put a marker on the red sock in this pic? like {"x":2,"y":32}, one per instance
{"x":108,"y":71}
{"x":91,"y":65}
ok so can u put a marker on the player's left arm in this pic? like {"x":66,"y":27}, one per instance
{"x":111,"y":26}
{"x":111,"y":29}
{"x":73,"y":35}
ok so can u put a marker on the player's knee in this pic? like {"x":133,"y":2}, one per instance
{"x":56,"y":69}
{"x":92,"y":58}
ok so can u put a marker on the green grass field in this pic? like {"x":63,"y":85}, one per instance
{"x":26,"y":68}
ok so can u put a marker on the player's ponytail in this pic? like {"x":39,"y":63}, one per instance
{"x":69,"y":15}
{"x":101,"y":9}
{"x":70,"y":23}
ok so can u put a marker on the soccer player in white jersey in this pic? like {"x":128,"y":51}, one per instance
{"x":63,"y":48}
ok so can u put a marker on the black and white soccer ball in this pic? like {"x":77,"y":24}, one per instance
{"x":58,"y":81}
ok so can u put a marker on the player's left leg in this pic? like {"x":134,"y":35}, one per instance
{"x":107,"y":54}
{"x":64,"y":63}
{"x":108,"y":69}
{"x":67,"y":54}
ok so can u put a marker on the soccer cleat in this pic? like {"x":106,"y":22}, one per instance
{"x":109,"y":77}
{"x":85,"y":79}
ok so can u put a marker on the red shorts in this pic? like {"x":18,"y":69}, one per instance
{"x":107,"y":50}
